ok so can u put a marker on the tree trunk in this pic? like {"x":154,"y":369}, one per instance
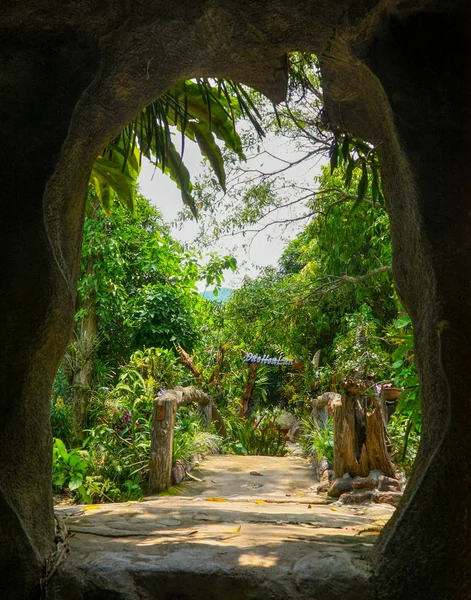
{"x":360,"y":438}
{"x":215,"y":379}
{"x":85,"y":345}
{"x":246,"y":402}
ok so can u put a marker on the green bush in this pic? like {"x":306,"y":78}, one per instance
{"x":191,"y":438}
{"x":318,"y":441}
{"x":118,"y":442}
{"x":61,"y":420}
{"x":259,"y":435}
{"x":405,"y":437}
{"x":69,"y":470}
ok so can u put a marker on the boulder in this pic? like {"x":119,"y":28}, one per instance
{"x":375,"y":474}
{"x":323,"y":487}
{"x":364,"y":483}
{"x":322,"y":467}
{"x":325,"y":481}
{"x":388,"y":484}
{"x":178,"y":473}
{"x":358,"y":497}
{"x":392,"y":498}
{"x":340,"y":486}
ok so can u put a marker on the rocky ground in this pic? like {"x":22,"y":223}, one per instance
{"x":250,"y":528}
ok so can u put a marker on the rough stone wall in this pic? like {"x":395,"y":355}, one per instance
{"x":394,"y":73}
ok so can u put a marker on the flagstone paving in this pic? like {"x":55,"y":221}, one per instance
{"x":249,"y":528}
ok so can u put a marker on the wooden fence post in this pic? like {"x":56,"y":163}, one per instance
{"x":163,"y":422}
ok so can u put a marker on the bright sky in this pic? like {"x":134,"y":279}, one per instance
{"x":266,"y":247}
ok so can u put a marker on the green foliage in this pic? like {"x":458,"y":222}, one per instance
{"x":358,"y":156}
{"x":259,"y":435}
{"x":199,"y":110}
{"x":114,"y":466}
{"x":406,"y":424}
{"x":212,"y":272}
{"x":318,"y":440}
{"x":69,"y":469}
{"x":405,"y":438}
{"x":190,"y":438}
{"x":359,"y":350}
{"x":139,"y":280}
{"x":61,"y":419}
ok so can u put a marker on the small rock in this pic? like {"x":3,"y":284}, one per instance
{"x":322,"y":467}
{"x":323,"y":487}
{"x":340,"y":486}
{"x":388,"y":484}
{"x":359,"y":497}
{"x":364,"y":483}
{"x":256,"y":473}
{"x":392,"y":498}
{"x":327,"y":477}
{"x":375,"y":475}
{"x":178,"y":474}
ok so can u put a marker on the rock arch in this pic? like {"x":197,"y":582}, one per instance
{"x":395,"y":72}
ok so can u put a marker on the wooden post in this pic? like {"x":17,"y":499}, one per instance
{"x":163,"y":422}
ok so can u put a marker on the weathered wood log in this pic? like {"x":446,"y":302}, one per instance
{"x":345,"y":460}
{"x":377,"y":442}
{"x":163,"y":423}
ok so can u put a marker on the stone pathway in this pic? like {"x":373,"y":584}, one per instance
{"x":251,"y":528}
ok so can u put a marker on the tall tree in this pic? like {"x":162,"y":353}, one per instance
{"x":137,"y":289}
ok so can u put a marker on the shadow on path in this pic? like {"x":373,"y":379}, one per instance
{"x":252,"y":528}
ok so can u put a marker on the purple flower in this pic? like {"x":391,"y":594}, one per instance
{"x":160,"y":393}
{"x":127,"y":417}
{"x":378,"y":387}
{"x":137,"y":423}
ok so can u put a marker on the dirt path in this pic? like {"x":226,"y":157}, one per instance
{"x":251,"y":528}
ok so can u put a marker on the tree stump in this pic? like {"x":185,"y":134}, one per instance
{"x":360,"y":437}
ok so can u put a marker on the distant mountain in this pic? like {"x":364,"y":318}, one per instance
{"x":223,"y":295}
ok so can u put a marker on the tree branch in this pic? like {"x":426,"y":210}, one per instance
{"x":377,"y":271}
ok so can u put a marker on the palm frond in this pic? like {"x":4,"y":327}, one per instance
{"x":200,"y":110}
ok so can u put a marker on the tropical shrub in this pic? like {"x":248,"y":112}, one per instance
{"x":259,"y":435}
{"x":190,"y":437}
{"x":318,"y":440}
{"x":69,"y":469}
